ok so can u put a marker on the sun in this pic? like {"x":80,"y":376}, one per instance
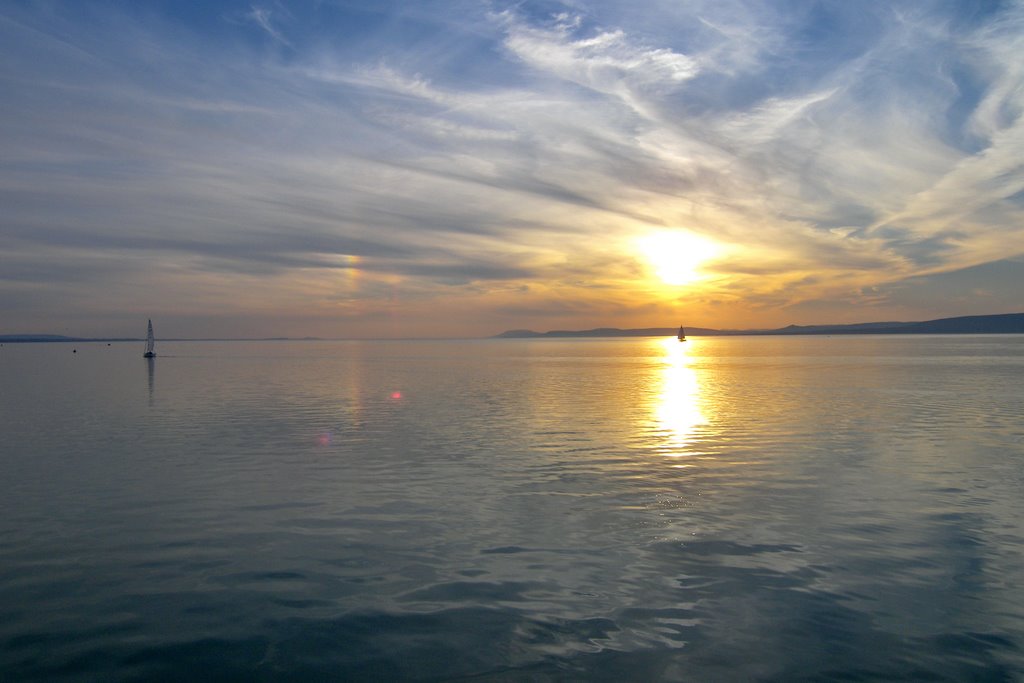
{"x":677,"y":256}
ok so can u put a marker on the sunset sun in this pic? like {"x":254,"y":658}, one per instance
{"x":676,"y":257}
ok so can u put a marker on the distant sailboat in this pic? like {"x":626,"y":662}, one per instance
{"x":150,"y":353}
{"x":682,"y":335}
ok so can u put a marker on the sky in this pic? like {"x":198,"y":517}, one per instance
{"x":454,"y":168}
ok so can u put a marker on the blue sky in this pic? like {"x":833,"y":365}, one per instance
{"x":457,"y":168}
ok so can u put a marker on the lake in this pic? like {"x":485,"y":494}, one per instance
{"x":724,"y":509}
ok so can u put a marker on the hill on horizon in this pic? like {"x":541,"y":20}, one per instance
{"x":1003,"y":323}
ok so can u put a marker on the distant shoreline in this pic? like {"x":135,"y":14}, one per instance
{"x":56,"y":338}
{"x":1005,"y":323}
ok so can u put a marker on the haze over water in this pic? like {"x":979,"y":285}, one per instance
{"x":744,"y":508}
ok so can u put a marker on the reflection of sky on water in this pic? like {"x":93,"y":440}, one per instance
{"x":832,"y":497}
{"x":677,"y":407}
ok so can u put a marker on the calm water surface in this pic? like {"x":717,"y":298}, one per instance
{"x":728,"y":509}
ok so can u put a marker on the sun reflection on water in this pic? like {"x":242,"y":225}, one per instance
{"x":677,"y":408}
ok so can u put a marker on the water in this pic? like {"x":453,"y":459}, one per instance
{"x":728,"y":509}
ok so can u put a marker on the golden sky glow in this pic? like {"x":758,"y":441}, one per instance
{"x":240,"y":168}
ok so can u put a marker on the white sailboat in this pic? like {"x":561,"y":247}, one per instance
{"x":150,"y":353}
{"x":682,"y":335}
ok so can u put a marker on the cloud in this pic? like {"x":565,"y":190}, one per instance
{"x":263,"y":17}
{"x":607,"y":62}
{"x":507,"y":160}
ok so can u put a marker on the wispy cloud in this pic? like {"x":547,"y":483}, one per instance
{"x":499,"y":161}
{"x":607,"y":62}
{"x":264,"y":18}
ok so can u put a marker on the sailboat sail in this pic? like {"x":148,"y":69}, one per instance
{"x":682,"y":334}
{"x":150,"y":342}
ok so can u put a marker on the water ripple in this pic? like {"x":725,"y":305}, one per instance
{"x":738,"y":509}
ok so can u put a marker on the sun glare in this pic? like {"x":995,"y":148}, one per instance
{"x":676,"y":257}
{"x":678,"y":407}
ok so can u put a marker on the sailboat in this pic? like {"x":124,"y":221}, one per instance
{"x":682,"y":335}
{"x":150,"y":353}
